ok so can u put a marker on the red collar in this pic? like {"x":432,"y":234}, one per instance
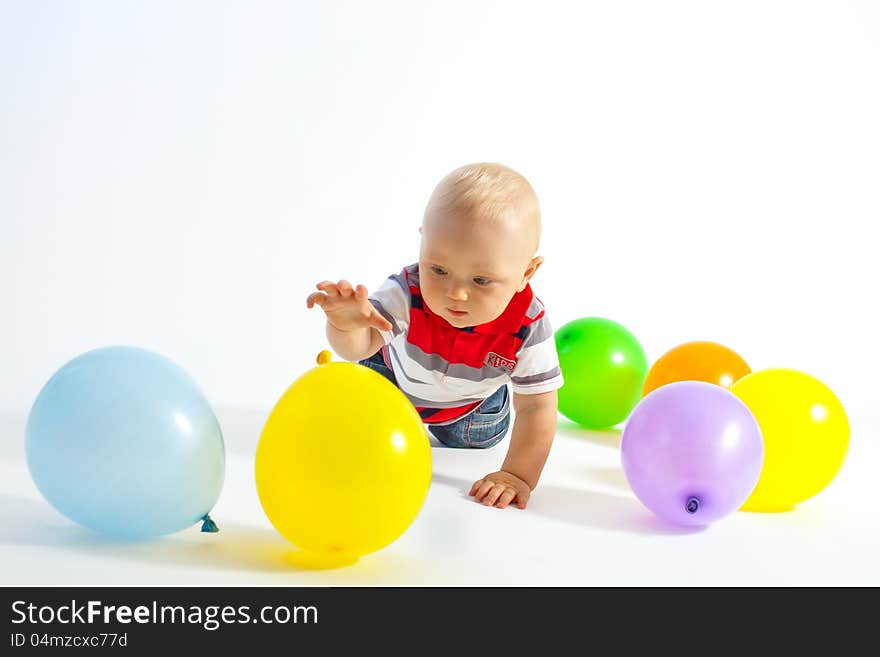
{"x":510,"y":321}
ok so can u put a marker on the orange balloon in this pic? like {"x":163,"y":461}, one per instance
{"x":696,"y":361}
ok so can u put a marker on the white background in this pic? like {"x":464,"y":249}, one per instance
{"x":178,"y":176}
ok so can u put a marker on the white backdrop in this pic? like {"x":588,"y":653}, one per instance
{"x":178,"y":175}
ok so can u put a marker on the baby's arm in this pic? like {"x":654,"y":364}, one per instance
{"x":356,"y":344}
{"x":533,"y":430}
{"x":353,"y":323}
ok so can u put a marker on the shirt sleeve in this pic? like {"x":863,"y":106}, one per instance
{"x":393,"y":300}
{"x":537,"y":366}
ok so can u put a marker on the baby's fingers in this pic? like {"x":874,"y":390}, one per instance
{"x":329,"y":287}
{"x":506,"y":498}
{"x":374,"y":317}
{"x":345,"y":289}
{"x":493,"y":494}
{"x":483,"y":490}
{"x":318,"y":298}
{"x":377,"y":321}
{"x":475,"y":487}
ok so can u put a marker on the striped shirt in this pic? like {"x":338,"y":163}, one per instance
{"x":447,"y":372}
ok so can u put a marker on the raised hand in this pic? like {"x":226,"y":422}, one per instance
{"x":347,"y":308}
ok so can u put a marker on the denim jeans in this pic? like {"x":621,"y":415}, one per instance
{"x":481,"y":428}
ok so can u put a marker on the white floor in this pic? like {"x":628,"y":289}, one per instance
{"x":583,"y":527}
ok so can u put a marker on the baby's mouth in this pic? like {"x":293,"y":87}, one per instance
{"x":457,"y":313}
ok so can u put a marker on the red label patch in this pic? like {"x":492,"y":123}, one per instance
{"x":494,"y":360}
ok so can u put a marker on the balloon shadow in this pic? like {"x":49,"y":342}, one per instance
{"x":27,"y":522}
{"x":587,"y":508}
{"x":606,"y":437}
{"x":770,"y":510}
{"x":313,"y":561}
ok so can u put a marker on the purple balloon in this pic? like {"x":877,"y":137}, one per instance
{"x":692,"y":452}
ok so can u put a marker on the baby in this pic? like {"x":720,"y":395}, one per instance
{"x":453,"y":329}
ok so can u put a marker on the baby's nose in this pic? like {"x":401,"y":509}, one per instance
{"x":457,"y":292}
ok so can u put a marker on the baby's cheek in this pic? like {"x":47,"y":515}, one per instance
{"x":496,"y":307}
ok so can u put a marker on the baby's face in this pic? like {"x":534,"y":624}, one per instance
{"x":469,"y":270}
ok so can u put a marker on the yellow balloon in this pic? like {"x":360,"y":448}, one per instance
{"x":806,"y":436}
{"x":343,"y":464}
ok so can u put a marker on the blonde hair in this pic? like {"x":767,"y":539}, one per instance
{"x":487,"y":190}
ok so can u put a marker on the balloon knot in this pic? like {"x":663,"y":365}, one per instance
{"x":324,"y":357}
{"x":208,"y":525}
{"x":692,"y":505}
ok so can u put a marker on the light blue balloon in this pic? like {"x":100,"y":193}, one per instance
{"x":121,"y":440}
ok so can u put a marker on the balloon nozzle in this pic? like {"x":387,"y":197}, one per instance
{"x":209,"y":525}
{"x":692,"y":505}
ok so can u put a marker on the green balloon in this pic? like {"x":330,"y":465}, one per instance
{"x":604,"y":368}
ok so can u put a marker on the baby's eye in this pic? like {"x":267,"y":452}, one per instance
{"x":479,"y":280}
{"x":438,"y":270}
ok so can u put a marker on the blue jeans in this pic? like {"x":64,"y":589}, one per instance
{"x":481,"y":428}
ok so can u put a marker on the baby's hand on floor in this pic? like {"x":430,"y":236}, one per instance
{"x":347,"y":308}
{"x":500,"y":489}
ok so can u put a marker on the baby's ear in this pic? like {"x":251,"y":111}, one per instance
{"x":534,"y":264}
